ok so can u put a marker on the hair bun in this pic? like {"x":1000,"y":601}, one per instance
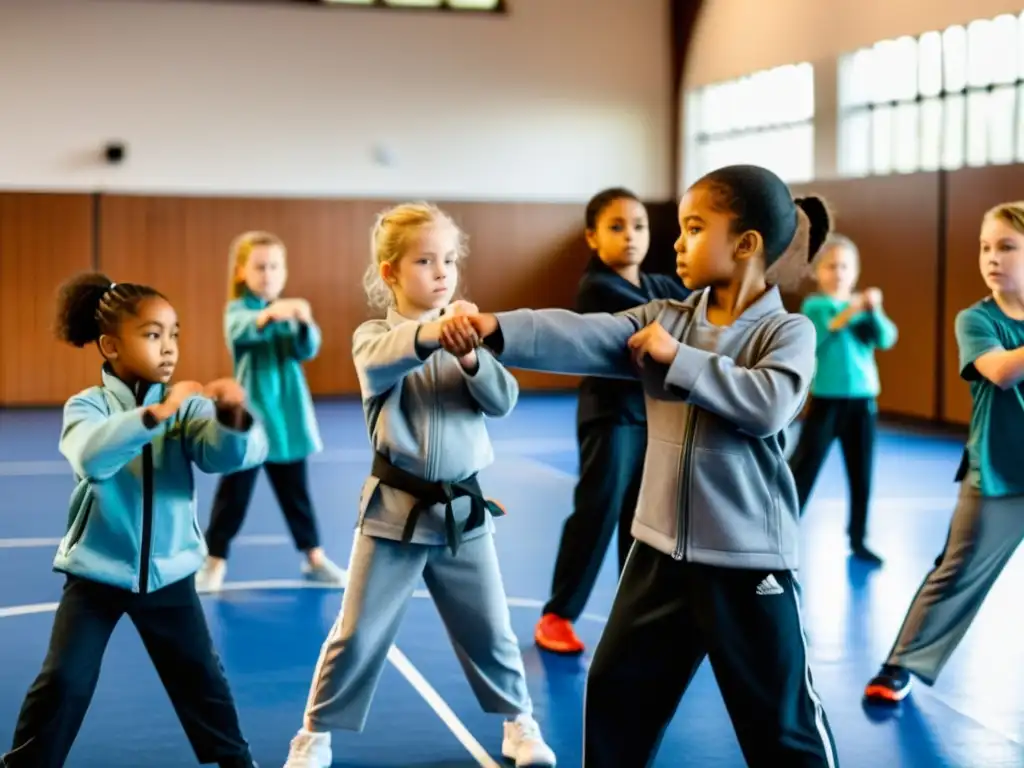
{"x":820,"y":218}
{"x":77,"y":302}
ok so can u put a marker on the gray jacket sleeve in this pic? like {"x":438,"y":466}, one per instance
{"x":493,"y":388}
{"x":560,"y":341}
{"x":761,"y":400}
{"x":383,"y":356}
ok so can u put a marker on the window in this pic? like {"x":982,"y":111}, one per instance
{"x":766,"y":118}
{"x":942,"y":100}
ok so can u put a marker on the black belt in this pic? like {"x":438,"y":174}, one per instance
{"x":430,"y":493}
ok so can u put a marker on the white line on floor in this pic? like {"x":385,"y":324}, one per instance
{"x":26,"y":610}
{"x":255,"y":540}
{"x":440,"y":707}
{"x":503,"y":448}
{"x":400,"y":661}
{"x":416,"y":680}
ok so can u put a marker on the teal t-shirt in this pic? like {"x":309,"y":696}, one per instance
{"x":268,"y":363}
{"x":995,"y":446}
{"x":846,"y":357}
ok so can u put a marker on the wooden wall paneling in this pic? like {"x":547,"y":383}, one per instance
{"x":44,"y":240}
{"x":523,"y":255}
{"x":970,"y":192}
{"x":527,"y":255}
{"x":361,"y":215}
{"x":895,"y":221}
{"x":180,"y":246}
{"x":169,"y":244}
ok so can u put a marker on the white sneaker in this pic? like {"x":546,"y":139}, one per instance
{"x":524,"y":744}
{"x":310,"y":750}
{"x":325,"y":571}
{"x":210,"y":577}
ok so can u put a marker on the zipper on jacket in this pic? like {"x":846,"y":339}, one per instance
{"x":432,"y":418}
{"x":438,"y":414}
{"x":683,"y":518}
{"x":147,"y":507}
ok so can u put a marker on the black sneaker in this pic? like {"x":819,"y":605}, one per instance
{"x":866,"y":555}
{"x":890,"y":686}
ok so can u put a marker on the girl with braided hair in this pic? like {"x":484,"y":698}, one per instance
{"x":133,"y":545}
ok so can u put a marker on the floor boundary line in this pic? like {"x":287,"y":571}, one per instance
{"x":395,"y":656}
{"x":245,"y":540}
{"x":434,"y":700}
{"x":283,"y":585}
{"x":404,"y":664}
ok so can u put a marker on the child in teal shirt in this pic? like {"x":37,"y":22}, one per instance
{"x":988,"y":522}
{"x":850,"y":327}
{"x":270,"y":338}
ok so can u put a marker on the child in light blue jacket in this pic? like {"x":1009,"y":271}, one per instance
{"x":133,"y":544}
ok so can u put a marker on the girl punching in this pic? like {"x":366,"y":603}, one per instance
{"x":611,"y":421}
{"x":850,"y":327}
{"x":712,"y":571}
{"x":270,"y":338}
{"x":988,"y":522}
{"x":133,"y":543}
{"x":423,"y":514}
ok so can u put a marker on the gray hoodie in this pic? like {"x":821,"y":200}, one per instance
{"x":716,"y":485}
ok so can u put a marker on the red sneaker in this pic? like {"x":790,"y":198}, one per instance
{"x":555,"y":634}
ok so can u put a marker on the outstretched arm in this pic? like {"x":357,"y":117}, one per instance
{"x":383,"y":355}
{"x":760,"y":400}
{"x":560,"y":341}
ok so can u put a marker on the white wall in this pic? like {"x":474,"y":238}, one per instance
{"x":550,"y":102}
{"x":736,"y":37}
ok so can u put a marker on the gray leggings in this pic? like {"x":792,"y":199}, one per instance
{"x":983,"y":536}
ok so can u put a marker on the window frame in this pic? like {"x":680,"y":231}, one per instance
{"x":500,"y":8}
{"x":697,"y":138}
{"x":954,"y":105}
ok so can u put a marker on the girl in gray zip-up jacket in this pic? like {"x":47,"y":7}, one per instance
{"x":712,"y":570}
{"x":422,"y":512}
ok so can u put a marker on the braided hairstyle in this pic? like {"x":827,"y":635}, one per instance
{"x":90,"y":305}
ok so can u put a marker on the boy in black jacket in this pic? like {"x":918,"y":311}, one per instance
{"x":611,"y":419}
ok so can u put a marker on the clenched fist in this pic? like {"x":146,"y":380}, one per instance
{"x":653,"y":342}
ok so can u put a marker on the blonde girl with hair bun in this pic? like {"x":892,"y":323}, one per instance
{"x":422,"y":513}
{"x":270,"y":339}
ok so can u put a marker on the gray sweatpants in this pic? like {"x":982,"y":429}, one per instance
{"x":983,"y":535}
{"x":469,"y":594}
